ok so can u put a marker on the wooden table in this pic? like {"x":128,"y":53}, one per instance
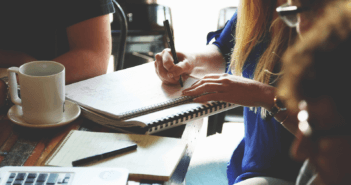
{"x":29,"y":147}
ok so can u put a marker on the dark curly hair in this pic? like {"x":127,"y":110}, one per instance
{"x":318,"y":65}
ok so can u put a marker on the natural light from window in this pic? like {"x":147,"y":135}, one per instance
{"x":192,"y":20}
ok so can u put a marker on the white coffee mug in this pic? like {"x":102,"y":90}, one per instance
{"x":42,"y":91}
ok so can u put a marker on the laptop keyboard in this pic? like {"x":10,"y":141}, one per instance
{"x":22,"y":178}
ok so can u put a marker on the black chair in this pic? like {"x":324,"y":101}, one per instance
{"x":119,"y":61}
{"x":146,"y":34}
{"x":225,"y":14}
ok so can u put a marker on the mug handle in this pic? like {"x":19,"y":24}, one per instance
{"x":11,"y":73}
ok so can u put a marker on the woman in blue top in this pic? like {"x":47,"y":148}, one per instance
{"x":260,"y":39}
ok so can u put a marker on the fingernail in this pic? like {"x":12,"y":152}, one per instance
{"x":170,"y":75}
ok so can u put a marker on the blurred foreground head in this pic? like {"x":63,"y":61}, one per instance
{"x":316,"y":81}
{"x":318,"y":65}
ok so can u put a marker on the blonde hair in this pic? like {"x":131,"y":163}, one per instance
{"x":255,"y":22}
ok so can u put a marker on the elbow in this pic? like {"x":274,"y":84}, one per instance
{"x":100,"y":58}
{"x":100,"y":64}
{"x":104,"y":56}
{"x":85,"y":64}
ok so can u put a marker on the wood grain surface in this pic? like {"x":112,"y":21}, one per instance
{"x":30,"y":147}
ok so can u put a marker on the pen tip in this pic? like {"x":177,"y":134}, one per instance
{"x":181,"y":81}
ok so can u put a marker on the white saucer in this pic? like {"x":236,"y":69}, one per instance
{"x":72,"y":111}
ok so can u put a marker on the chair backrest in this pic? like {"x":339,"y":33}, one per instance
{"x":225,"y":14}
{"x":118,"y":65}
{"x":146,"y":34}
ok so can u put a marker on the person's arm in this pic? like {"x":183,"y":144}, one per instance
{"x":13,"y":58}
{"x":209,"y":61}
{"x":89,"y":49}
{"x":199,"y":63}
{"x":206,"y":60}
{"x":238,"y":90}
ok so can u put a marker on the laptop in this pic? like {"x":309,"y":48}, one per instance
{"x":40,"y":175}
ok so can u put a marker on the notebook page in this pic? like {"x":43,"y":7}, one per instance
{"x":155,"y":157}
{"x":85,"y":144}
{"x":125,"y":90}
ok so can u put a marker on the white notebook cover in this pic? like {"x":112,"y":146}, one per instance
{"x":116,"y":99}
{"x":131,"y":89}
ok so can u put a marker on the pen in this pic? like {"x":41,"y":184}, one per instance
{"x":171,"y":44}
{"x":97,"y":157}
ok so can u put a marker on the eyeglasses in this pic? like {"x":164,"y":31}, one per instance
{"x":288,"y":13}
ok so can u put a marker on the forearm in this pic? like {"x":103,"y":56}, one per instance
{"x":207,"y":60}
{"x":287,"y":119}
{"x":90,"y":49}
{"x":10,"y":58}
{"x":81,"y":64}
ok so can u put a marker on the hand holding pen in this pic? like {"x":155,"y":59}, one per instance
{"x":171,"y":45}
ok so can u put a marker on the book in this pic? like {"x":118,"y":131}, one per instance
{"x":135,"y":100}
{"x":154,"y":159}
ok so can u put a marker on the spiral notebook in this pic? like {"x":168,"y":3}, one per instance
{"x":154,"y":159}
{"x":135,"y":100}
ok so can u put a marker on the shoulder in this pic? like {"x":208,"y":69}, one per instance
{"x":234,"y":19}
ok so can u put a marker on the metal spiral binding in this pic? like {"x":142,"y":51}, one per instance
{"x":187,"y":115}
{"x":156,"y":107}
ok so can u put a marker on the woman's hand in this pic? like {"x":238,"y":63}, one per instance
{"x":234,"y":89}
{"x":169,"y":72}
